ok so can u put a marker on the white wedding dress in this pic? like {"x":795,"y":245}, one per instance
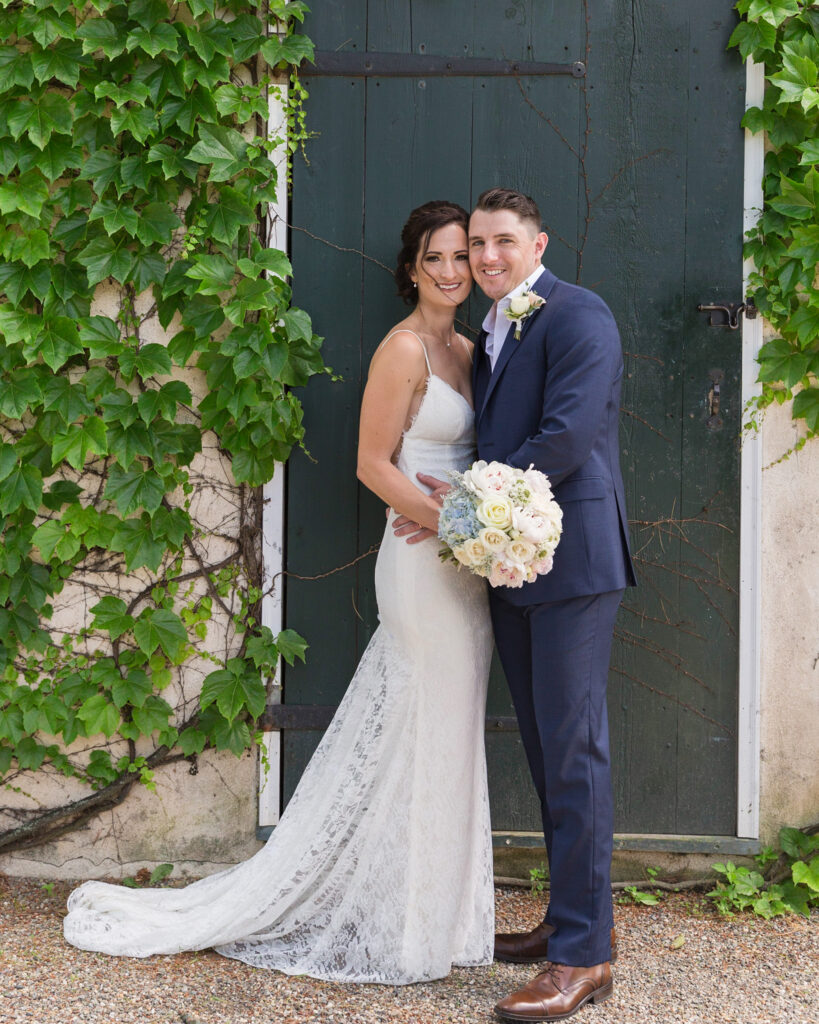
{"x":381,"y":867}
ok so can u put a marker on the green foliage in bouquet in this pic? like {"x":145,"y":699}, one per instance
{"x":135,"y":155}
{"x":784,"y":36}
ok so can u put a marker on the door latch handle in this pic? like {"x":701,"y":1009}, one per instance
{"x":727,"y":314}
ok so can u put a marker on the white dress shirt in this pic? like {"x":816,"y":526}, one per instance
{"x":496,"y":324}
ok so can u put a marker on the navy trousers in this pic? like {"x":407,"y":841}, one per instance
{"x":556,"y":660}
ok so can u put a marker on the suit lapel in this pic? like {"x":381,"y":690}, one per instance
{"x":543,"y":286}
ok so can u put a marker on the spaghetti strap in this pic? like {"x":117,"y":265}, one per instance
{"x":466,"y":346}
{"x":406,"y":330}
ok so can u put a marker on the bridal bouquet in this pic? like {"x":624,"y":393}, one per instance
{"x":501,"y":523}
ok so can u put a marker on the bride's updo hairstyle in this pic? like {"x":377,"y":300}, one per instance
{"x":415,"y":236}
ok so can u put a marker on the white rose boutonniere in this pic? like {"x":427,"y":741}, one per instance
{"x":522,"y":306}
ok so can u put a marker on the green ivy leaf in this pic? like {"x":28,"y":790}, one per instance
{"x":806,"y":407}
{"x":159,"y":628}
{"x":62,"y":61}
{"x":223,"y":148}
{"x":153,"y":715}
{"x":115,"y":215}
{"x":228,"y":215}
{"x":139,"y":122}
{"x":56,"y":343}
{"x":772,"y":11}
{"x":805,"y":322}
{"x":126,"y":443}
{"x":75,"y":444}
{"x":99,"y":715}
{"x":291,"y":49}
{"x":148,"y":269}
{"x":807,"y":874}
{"x":54,"y":538}
{"x":22,"y":488}
{"x":134,"y":488}
{"x":103,"y":257}
{"x":797,"y":82}
{"x":291,"y":646}
{"x":15,"y":68}
{"x":233,"y":692}
{"x":29,"y":753}
{"x":753,"y":36}
{"x":146,"y":361}
{"x":160,"y":38}
{"x":30,"y":583}
{"x":136,"y":540}
{"x":133,"y":689}
{"x":8,"y":459}
{"x":215,"y":272}
{"x":101,"y":34}
{"x":38,"y":118}
{"x":110,"y":614}
{"x":102,"y":168}
{"x":101,"y":336}
{"x":780,"y":361}
{"x":156,"y":223}
{"x":224,"y":735}
{"x":191,"y":741}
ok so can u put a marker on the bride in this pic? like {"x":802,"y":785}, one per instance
{"x":381,"y":867}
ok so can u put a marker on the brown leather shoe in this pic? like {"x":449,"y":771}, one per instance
{"x":533,"y":947}
{"x":557,"y":993}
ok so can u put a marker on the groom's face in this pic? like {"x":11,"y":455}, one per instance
{"x":503,"y":250}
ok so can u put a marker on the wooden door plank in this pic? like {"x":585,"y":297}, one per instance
{"x":710,"y":452}
{"x":322,"y":489}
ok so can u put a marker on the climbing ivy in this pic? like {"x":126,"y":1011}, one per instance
{"x":143,"y":317}
{"x":784,"y":36}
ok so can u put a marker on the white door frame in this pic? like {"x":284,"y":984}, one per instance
{"x":748,"y":719}
{"x":750,"y":507}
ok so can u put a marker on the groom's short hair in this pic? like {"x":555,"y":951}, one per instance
{"x":508,"y":199}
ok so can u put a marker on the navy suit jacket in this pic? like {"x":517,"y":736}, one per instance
{"x":553,"y":401}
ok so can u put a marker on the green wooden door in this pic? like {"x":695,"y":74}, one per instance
{"x":638,"y":168}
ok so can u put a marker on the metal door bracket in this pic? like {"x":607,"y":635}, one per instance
{"x":355,"y":64}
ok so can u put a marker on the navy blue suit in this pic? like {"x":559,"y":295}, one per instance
{"x":553,"y":401}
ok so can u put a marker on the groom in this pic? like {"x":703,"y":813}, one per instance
{"x":550,"y":398}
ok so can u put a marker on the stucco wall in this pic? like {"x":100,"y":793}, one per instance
{"x":790,"y":629}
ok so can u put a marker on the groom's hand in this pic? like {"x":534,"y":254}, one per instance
{"x":414,"y":532}
{"x":437,"y":488}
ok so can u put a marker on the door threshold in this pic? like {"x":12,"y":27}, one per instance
{"x":661,"y":843}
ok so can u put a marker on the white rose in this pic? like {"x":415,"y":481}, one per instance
{"x":461,"y":555}
{"x":474,"y":551}
{"x":492,"y":540}
{"x":495,"y":511}
{"x":519,"y":304}
{"x":520,"y":551}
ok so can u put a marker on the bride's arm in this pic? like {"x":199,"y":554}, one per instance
{"x":397,"y":375}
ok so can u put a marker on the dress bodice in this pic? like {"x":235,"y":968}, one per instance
{"x":441,"y":437}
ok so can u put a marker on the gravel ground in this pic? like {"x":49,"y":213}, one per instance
{"x":679,"y":964}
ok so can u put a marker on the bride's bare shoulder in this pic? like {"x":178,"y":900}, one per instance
{"x":400,"y":351}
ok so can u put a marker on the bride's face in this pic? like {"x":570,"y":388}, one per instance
{"x":442,"y":273}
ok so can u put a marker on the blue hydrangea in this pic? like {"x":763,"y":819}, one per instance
{"x":458,"y":522}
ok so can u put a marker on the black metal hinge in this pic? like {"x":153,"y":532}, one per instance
{"x":318,"y":716}
{"x":351,"y":64}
